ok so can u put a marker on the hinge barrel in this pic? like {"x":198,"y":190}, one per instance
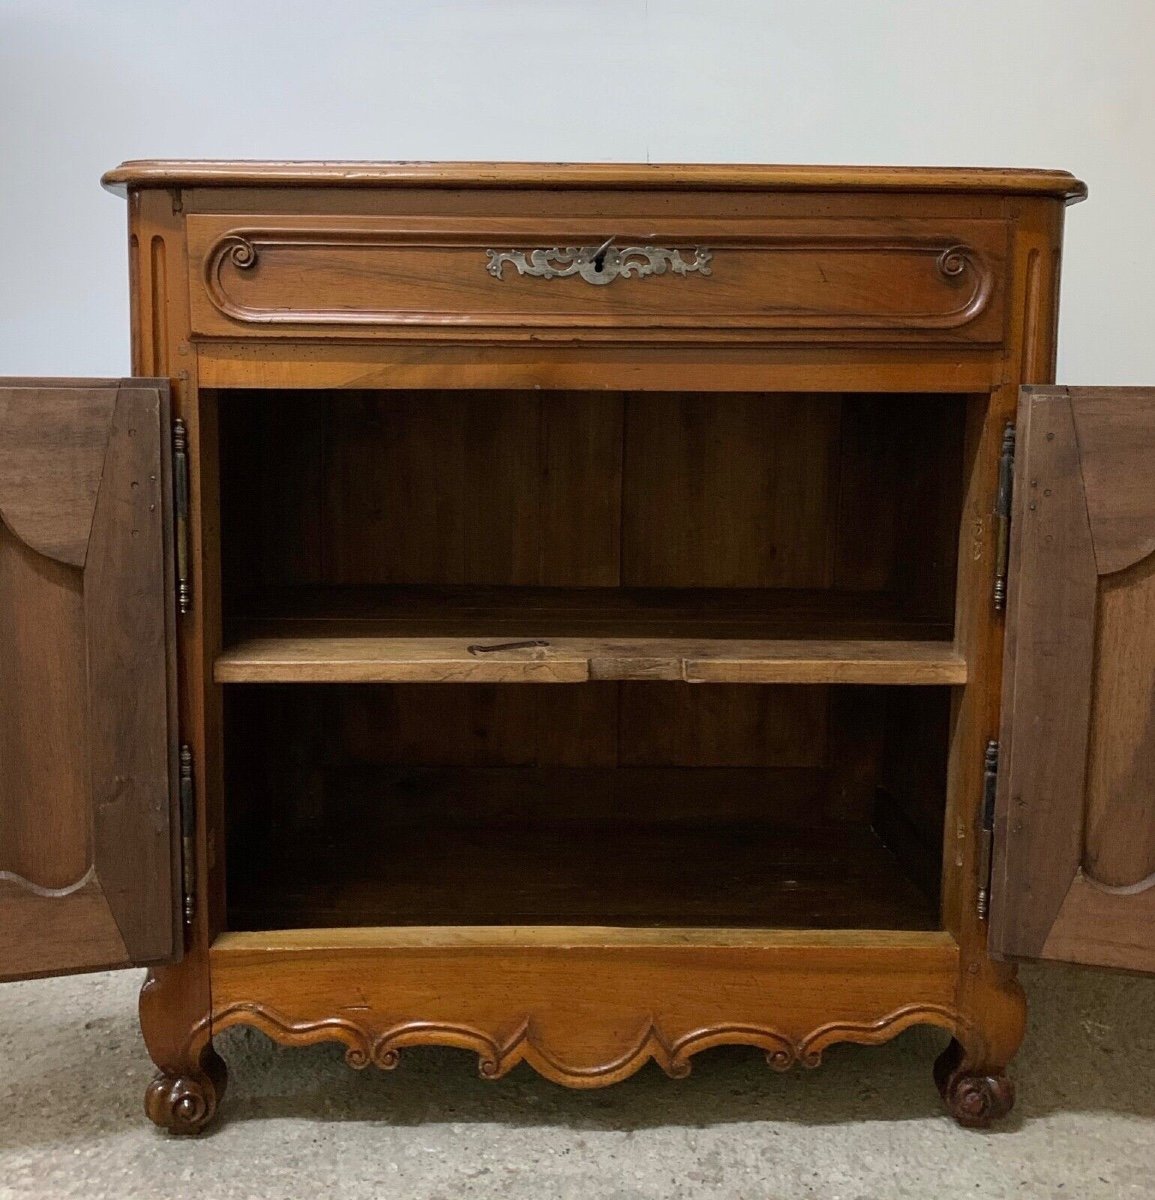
{"x":181,"y":492}
{"x":1003,"y":514}
{"x":987,"y":826}
{"x":188,"y":834}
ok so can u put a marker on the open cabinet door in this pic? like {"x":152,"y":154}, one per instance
{"x":1074,"y":871}
{"x":88,"y":755}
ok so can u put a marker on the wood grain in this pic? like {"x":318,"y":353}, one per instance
{"x":58,"y":934}
{"x":1052,"y":565}
{"x":889,"y":280}
{"x":573,"y":872}
{"x":572,"y":660}
{"x":974,"y":1079}
{"x":526,"y":484}
{"x":577,"y":490}
{"x":44,"y":789}
{"x":285,"y":365}
{"x":560,"y":937}
{"x":637,"y":1002}
{"x":440,"y":610}
{"x":1077,"y":863}
{"x":131,"y":669}
{"x":167,"y":173}
{"x":1119,"y":839}
{"x":87,"y":729}
{"x":728,"y":491}
{"x":647,"y":752}
{"x":174,"y":999}
{"x":376,"y":813}
{"x":51,"y":460}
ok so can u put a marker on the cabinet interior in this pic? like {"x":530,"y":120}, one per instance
{"x":371,"y":541}
{"x":602,"y":804}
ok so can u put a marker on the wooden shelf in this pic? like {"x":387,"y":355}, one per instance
{"x":705,"y":635}
{"x":335,"y":659}
{"x":305,"y":942}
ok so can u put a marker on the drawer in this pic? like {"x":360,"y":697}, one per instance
{"x":735,"y":279}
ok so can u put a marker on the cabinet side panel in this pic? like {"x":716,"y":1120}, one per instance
{"x":175,"y":998}
{"x":987,"y":988}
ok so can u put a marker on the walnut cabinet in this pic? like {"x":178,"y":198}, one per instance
{"x":581,"y":615}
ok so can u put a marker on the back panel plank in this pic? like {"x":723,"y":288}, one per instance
{"x":590,"y":489}
{"x":729,"y":490}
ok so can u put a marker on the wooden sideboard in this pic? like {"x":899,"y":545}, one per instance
{"x":558,"y":612}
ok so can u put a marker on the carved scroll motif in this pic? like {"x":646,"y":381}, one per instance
{"x":366,"y":1046}
{"x":599,"y":265}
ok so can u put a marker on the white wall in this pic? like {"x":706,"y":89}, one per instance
{"x":1053,"y":83}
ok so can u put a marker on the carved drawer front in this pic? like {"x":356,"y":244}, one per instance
{"x":513,"y":278}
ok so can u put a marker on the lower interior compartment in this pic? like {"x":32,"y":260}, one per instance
{"x":645,"y":804}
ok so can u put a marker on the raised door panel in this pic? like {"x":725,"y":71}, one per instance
{"x":87,"y":705}
{"x":1075,"y":828}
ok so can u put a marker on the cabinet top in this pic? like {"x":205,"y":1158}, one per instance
{"x":168,"y":173}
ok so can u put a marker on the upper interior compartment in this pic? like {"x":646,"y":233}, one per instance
{"x":594,"y":514}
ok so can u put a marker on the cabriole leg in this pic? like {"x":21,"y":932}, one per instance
{"x":184,"y":1095}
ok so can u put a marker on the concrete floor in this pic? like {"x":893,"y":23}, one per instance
{"x":299,"y":1124}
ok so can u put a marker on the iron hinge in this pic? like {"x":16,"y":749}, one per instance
{"x":987,"y":826}
{"x":180,"y":493}
{"x":188,"y":835}
{"x":1003,"y":514}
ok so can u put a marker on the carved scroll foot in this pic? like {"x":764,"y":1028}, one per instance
{"x":974,"y":1098}
{"x":187,"y":1102}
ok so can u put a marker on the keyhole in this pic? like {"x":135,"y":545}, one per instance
{"x":599,"y":256}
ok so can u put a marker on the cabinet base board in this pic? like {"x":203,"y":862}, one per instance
{"x":587,"y":1007}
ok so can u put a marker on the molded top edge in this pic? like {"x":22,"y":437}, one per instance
{"x":168,"y":173}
